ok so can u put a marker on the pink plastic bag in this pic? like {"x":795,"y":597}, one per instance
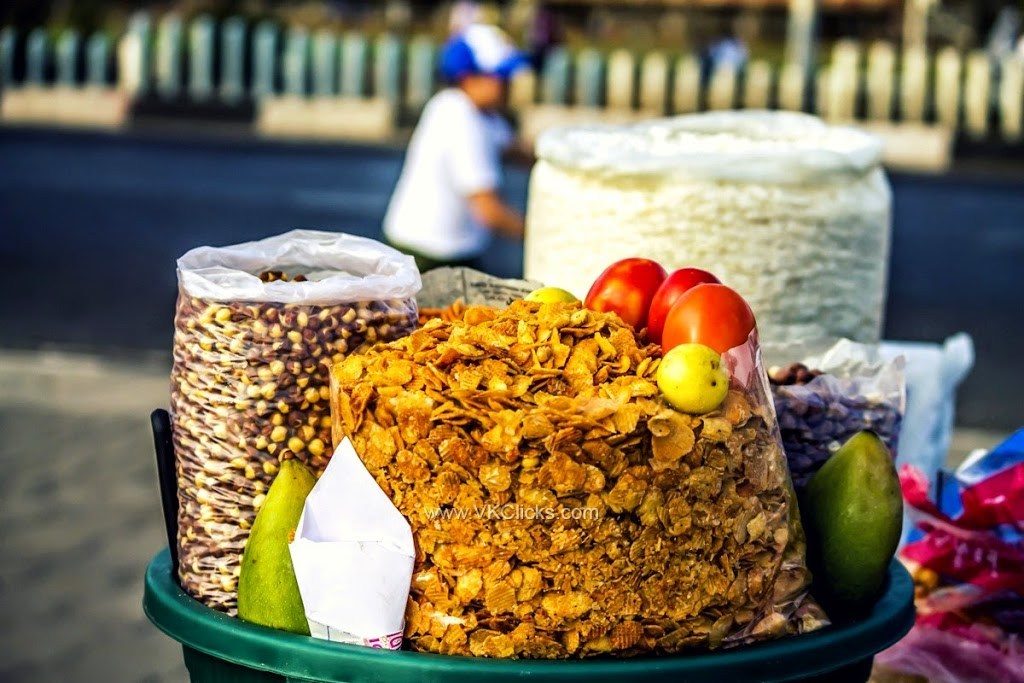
{"x":968,"y":567}
{"x":971,"y":654}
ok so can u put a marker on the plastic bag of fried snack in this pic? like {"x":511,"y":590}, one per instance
{"x":559,"y":507}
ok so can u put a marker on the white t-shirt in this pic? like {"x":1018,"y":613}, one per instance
{"x":455,"y":151}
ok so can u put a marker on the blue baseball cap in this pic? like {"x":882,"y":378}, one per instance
{"x":481,"y":49}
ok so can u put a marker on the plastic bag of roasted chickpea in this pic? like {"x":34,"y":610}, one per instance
{"x":257,"y":327}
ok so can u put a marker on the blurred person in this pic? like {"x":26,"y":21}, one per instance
{"x":725,"y":52}
{"x":446,"y":205}
{"x":1003,"y":36}
{"x":543,"y":36}
{"x":464,"y":14}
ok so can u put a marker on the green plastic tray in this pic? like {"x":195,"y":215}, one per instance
{"x":218,"y":648}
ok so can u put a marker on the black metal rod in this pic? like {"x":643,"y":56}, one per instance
{"x":165,"y":471}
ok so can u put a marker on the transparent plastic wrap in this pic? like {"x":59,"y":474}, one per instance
{"x":559,"y":507}
{"x":257,"y":326}
{"x":933,"y":373}
{"x":793,"y":213}
{"x":827,"y":397}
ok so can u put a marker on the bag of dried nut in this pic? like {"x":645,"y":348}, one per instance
{"x":828,"y":397}
{"x":257,"y":326}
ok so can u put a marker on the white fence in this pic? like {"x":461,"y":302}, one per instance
{"x":232,"y":61}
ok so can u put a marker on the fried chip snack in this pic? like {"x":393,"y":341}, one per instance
{"x":559,"y":508}
{"x":449,"y":313}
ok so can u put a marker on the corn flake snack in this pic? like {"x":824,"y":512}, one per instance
{"x":559,"y":508}
{"x":449,"y":313}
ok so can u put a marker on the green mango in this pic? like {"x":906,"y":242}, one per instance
{"x":267,"y":591}
{"x":853,"y":510}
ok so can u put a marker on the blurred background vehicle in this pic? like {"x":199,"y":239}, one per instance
{"x":131,"y":132}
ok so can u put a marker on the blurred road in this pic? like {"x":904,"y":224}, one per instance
{"x":91,"y":225}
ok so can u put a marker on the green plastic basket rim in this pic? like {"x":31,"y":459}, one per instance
{"x":300,"y":657}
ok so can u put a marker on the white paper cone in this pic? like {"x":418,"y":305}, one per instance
{"x":353,"y":557}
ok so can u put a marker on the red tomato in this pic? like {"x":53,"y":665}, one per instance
{"x":708,"y":314}
{"x":626,"y":287}
{"x":671,"y":289}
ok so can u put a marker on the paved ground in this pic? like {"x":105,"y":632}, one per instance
{"x":79,"y":519}
{"x":91,"y":225}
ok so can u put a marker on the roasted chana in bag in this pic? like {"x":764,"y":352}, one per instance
{"x":257,"y":326}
